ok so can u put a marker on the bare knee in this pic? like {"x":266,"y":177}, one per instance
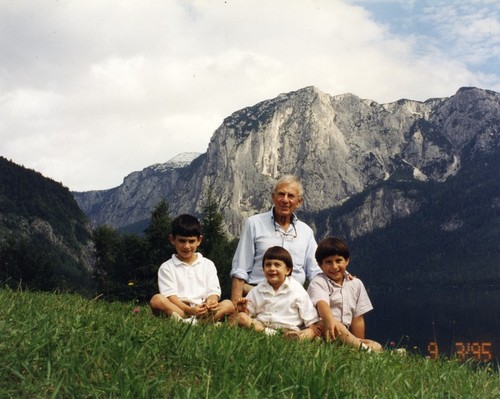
{"x":156,"y":301}
{"x":227,"y":306}
{"x":244,"y":320}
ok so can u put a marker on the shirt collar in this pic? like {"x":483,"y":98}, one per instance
{"x":294,"y":220}
{"x":266,"y":287}
{"x":179,"y":262}
{"x":333,"y":282}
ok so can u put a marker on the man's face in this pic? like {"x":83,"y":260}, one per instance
{"x":286,"y":199}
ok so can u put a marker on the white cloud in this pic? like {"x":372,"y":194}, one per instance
{"x":91,"y":91}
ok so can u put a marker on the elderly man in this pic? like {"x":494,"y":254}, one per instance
{"x":278,"y":227}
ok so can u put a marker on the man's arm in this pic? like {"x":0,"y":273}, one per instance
{"x":242,"y":262}
{"x":242,"y":305}
{"x":311,"y":267}
{"x":358,"y":327}
{"x":236,"y":289}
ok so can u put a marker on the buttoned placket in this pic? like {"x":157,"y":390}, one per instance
{"x":334,"y":284}
{"x":288,"y":235}
{"x":269,"y":292}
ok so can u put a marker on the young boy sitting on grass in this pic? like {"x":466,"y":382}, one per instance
{"x":188,"y":282}
{"x":341,"y":302}
{"x":278,"y":302}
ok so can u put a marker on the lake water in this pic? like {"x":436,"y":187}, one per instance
{"x":451,"y":321}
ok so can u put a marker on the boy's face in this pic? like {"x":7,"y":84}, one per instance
{"x":275,"y":271}
{"x":334,"y":267}
{"x":185,"y":247}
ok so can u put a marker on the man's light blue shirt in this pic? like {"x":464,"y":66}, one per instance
{"x":262,"y":232}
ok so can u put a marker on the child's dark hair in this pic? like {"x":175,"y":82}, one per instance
{"x":278,"y":253}
{"x":186,"y":225}
{"x":331,"y":246}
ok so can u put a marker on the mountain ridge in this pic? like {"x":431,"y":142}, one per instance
{"x":339,"y":146}
{"x":45,"y":238}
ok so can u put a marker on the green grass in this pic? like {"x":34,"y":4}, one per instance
{"x":65,"y":346}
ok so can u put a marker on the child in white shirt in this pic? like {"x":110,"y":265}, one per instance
{"x":188,"y":283}
{"x":279,"y":302}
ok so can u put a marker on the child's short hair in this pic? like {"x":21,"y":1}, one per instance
{"x":278,"y":253}
{"x":331,"y":246}
{"x":186,"y":225}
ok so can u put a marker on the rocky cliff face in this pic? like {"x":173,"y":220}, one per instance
{"x":134,"y":199}
{"x":339,"y":146}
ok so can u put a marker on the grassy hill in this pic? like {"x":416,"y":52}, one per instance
{"x":64,"y":346}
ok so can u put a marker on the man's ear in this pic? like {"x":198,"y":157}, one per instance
{"x":200,"y":238}
{"x":171,"y":238}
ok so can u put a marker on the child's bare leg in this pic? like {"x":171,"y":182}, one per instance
{"x":161,"y":305}
{"x":346,"y":337}
{"x":341,"y":333}
{"x":373,"y":345}
{"x":246,"y":321}
{"x":226,"y":307}
{"x":307,"y":334}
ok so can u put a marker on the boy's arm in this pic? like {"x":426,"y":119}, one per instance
{"x":212,"y":302}
{"x":358,"y":327}
{"x":181,"y":305}
{"x":196,"y":310}
{"x":331,"y":325}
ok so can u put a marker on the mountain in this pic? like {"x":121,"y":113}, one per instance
{"x":45,"y":238}
{"x":129,"y":206}
{"x":368,"y":169}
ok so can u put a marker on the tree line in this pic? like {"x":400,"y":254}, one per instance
{"x":127,"y":264}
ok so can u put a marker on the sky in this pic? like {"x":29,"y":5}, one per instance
{"x":93,"y":90}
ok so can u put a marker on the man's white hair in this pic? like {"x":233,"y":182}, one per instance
{"x":290,"y":179}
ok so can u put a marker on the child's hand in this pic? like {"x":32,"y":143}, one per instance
{"x":241,"y":305}
{"x":212,"y":305}
{"x":333,"y":330}
{"x":199,"y":310}
{"x":316,"y":329}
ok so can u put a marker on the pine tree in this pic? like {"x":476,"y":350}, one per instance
{"x":216,"y":245}
{"x":157,"y":233}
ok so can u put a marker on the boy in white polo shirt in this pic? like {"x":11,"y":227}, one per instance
{"x":188,"y":283}
{"x":279,"y":302}
{"x":341,"y":302}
